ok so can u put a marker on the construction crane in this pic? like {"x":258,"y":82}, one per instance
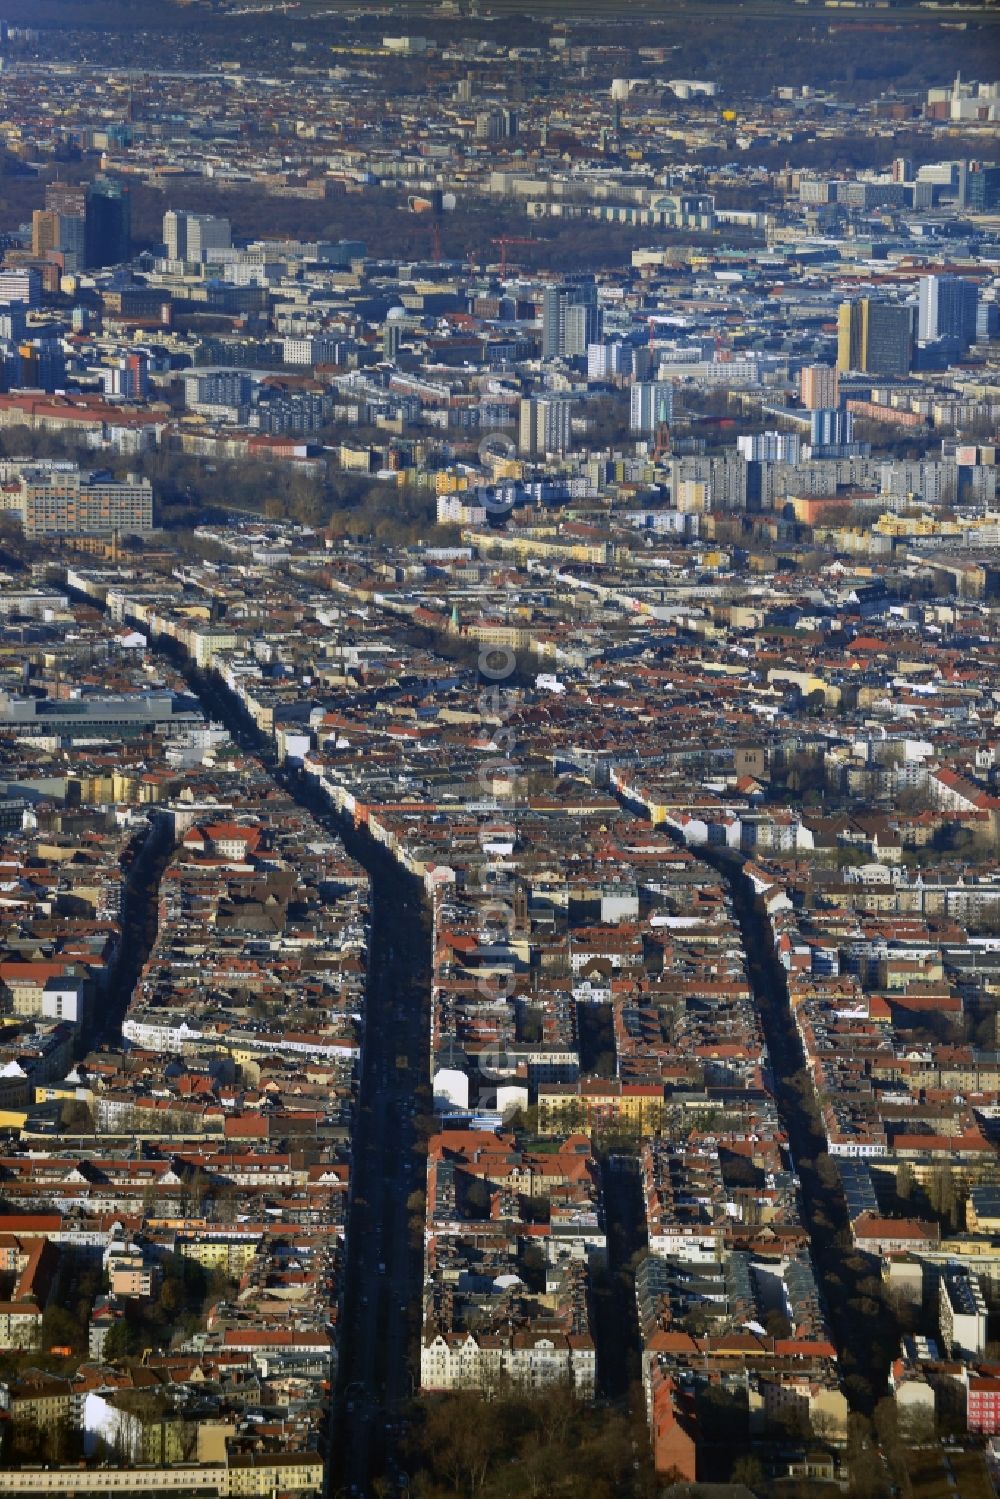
{"x":503,"y":242}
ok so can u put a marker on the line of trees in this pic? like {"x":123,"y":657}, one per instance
{"x":546,"y":1445}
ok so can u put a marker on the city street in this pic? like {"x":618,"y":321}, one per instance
{"x":383,"y":1278}
{"x":383,"y":1271}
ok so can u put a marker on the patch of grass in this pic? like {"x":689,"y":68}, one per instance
{"x":971,"y":1475}
{"x":929,"y":1471}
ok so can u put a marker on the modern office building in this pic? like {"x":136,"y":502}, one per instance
{"x":113,"y":715}
{"x":72,"y":240}
{"x":61,"y":233}
{"x":41,"y":364}
{"x":13,"y":321}
{"x":947,"y":309}
{"x":850,"y":353}
{"x":571,"y":319}
{"x":68,"y":198}
{"x":874,"y":338}
{"x":552,"y":298}
{"x":108,"y":222}
{"x":582,"y":326}
{"x":983,"y":190}
{"x":988,"y":320}
{"x":175,"y":234}
{"x":206,"y":233}
{"x":44,"y":232}
{"x":23,"y":285}
{"x":856,"y":194}
{"x":193,"y":236}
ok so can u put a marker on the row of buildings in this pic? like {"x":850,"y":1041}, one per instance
{"x":177,"y":1138}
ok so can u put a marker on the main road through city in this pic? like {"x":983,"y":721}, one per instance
{"x":382,"y":1283}
{"x":383,"y":1270}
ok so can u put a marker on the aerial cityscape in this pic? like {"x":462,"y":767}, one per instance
{"x":500,"y":749}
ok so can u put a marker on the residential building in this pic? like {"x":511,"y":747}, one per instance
{"x":544,"y":425}
{"x":652,"y":405}
{"x":71,"y":503}
{"x":962,"y":1312}
{"x":819,"y":386}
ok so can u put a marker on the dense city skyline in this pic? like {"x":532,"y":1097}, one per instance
{"x":500,"y":749}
